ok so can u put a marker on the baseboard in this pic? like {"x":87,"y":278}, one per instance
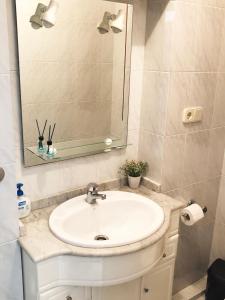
{"x":193,"y":291}
{"x":151,"y":184}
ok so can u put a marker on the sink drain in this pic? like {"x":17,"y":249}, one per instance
{"x":101,"y":237}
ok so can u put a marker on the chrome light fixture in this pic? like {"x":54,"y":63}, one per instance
{"x":45,"y":15}
{"x":49,"y":16}
{"x":104,"y":27}
{"x":36,"y":19}
{"x":115,"y":22}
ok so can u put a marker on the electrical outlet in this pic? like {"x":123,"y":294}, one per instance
{"x":192,"y":114}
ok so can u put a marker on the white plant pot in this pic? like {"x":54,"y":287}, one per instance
{"x":134,"y":182}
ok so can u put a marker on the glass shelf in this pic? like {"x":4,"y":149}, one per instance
{"x":77,"y":148}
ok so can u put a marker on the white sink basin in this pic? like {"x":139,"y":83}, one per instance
{"x":123,"y":218}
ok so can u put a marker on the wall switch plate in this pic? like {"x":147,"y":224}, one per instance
{"x":192,"y":114}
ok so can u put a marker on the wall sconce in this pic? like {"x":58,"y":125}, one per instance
{"x":115,"y":22}
{"x":104,"y":27}
{"x":49,"y":17}
{"x":36,"y":21}
{"x":45,"y":15}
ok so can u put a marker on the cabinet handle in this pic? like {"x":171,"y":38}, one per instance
{"x":164,"y":255}
{"x":146,"y":290}
{"x":69,"y":298}
{"x":2,"y":174}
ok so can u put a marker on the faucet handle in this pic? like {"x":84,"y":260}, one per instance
{"x":92,"y":187}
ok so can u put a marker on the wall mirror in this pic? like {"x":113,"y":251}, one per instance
{"x":74,"y":61}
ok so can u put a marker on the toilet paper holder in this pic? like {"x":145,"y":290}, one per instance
{"x":204,"y":209}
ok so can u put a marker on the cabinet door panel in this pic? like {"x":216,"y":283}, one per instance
{"x":127,"y":291}
{"x":157,"y":285}
{"x":63,"y":293}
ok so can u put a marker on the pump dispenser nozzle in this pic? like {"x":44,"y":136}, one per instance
{"x":19,"y":189}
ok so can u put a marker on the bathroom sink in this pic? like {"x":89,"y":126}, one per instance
{"x":122,"y":218}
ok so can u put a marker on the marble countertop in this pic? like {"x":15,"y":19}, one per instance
{"x":40,"y":243}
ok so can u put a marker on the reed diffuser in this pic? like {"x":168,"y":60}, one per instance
{"x":51,"y":151}
{"x":40,"y":144}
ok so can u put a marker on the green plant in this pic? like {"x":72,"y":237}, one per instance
{"x":134,"y":168}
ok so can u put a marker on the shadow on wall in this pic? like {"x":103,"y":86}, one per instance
{"x":152,"y":22}
{"x":195,"y":242}
{"x":192,"y":257}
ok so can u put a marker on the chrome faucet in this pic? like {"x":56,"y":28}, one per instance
{"x":93,"y":194}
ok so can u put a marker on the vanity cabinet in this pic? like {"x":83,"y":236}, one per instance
{"x":53,"y":279}
{"x":158,"y":283}
{"x":126,"y":291}
{"x":67,"y":293}
{"x":155,"y":285}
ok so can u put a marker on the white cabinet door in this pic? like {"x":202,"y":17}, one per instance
{"x":157,"y":285}
{"x":67,"y":293}
{"x":126,"y":291}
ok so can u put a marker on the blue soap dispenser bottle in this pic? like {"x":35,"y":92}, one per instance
{"x":23,"y":202}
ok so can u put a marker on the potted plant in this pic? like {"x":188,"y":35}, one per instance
{"x":134,"y":170}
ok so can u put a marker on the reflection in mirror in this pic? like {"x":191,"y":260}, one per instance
{"x":74,"y":61}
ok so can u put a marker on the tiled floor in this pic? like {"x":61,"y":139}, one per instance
{"x":180,"y":297}
{"x":192,"y":291}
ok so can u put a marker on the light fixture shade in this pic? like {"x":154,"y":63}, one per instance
{"x":117,"y":24}
{"x":36,"y":21}
{"x":49,"y":17}
{"x":104,"y":27}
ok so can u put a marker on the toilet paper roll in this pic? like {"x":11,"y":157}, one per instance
{"x":192,"y":214}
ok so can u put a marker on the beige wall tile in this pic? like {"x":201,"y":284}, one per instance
{"x":57,"y":85}
{"x":151,"y":150}
{"x":85,"y":43}
{"x":202,"y":93}
{"x":210,"y":29}
{"x":220,"y":217}
{"x":219,"y":107}
{"x":196,"y":157}
{"x":135,"y":99}
{"x":189,"y":89}
{"x":106,"y":43}
{"x":158,"y":33}
{"x":216,"y":152}
{"x":223,"y":168}
{"x":214,"y":3}
{"x":97,"y":113}
{"x":138,"y":38}
{"x":217,"y":250}
{"x":155,"y":93}
{"x":88,"y":85}
{"x":221,"y":67}
{"x":117,"y":80}
{"x":184,"y":37}
{"x":179,"y":96}
{"x":108,"y":84}
{"x":116,"y":118}
{"x":173,"y":162}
